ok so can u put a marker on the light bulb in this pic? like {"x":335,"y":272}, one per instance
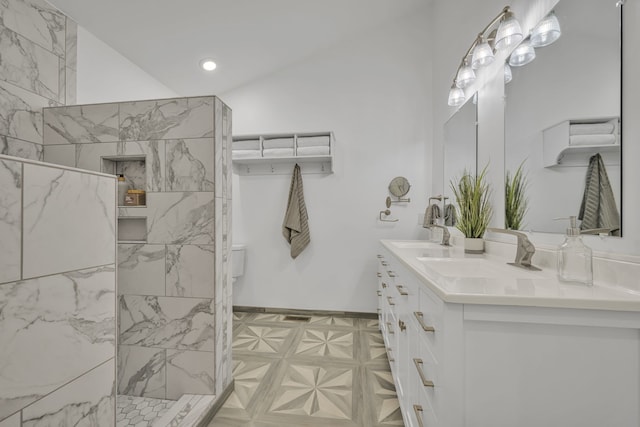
{"x":466,"y":76}
{"x":208,"y":64}
{"x":482,"y":55}
{"x":456,"y":96}
{"x":546,"y":32}
{"x":509,"y":32}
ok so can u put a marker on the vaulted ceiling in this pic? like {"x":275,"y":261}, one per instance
{"x":247,"y":38}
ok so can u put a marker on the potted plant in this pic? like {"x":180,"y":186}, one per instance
{"x":472,"y":193}
{"x":516,"y":203}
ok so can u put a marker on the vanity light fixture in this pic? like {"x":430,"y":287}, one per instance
{"x":208,"y":64}
{"x":507,"y":73}
{"x":546,"y":32}
{"x":456,"y":96}
{"x":481,"y":52}
{"x":522,"y":55}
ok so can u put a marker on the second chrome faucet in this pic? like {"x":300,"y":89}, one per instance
{"x":525,"y":250}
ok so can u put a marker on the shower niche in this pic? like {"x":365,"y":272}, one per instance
{"x":133,"y":168}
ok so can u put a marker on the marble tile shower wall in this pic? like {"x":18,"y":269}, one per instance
{"x":57,"y":296}
{"x":38,"y":69}
{"x":174,"y":288}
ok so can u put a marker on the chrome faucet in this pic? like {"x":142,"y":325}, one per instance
{"x":525,"y":248}
{"x":445,"y":233}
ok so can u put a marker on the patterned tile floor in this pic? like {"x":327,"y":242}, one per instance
{"x":330,"y":371}
{"x":139,"y":411}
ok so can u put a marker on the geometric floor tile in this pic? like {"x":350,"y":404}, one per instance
{"x":385,"y":398}
{"x":330,"y":371}
{"x":139,"y":411}
{"x":326,"y":342}
{"x":315,"y":391}
{"x":262,"y":339}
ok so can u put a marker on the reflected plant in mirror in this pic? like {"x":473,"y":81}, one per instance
{"x":516,"y":201}
{"x":562,"y":109}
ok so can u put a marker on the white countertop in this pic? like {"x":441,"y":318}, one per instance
{"x":457,"y":277}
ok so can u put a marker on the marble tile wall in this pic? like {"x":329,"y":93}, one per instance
{"x":174,"y":287}
{"x":38,"y":46}
{"x":57,"y":294}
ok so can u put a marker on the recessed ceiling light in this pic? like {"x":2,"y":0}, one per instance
{"x":208,"y":64}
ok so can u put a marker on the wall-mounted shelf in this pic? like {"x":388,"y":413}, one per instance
{"x":132,"y":229}
{"x":264,"y":165}
{"x":558,"y":149}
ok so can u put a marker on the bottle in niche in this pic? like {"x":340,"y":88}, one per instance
{"x":123,"y":187}
{"x":575,"y":258}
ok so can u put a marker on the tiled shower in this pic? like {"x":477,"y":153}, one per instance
{"x":70,"y":339}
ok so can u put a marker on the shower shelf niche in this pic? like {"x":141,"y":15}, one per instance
{"x":134,"y":169}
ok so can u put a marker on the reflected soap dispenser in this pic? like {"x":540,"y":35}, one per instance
{"x":574,"y":257}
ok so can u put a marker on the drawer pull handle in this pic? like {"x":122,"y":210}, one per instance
{"x":417,"y":409}
{"x":402,"y":326}
{"x":391,"y":273}
{"x":379,"y":274}
{"x":391,"y":301}
{"x":380,"y":256}
{"x":425,"y":382}
{"x":391,"y":359}
{"x":385,"y":263}
{"x":401,"y":290}
{"x":420,"y":318}
{"x":384,"y":285}
{"x":379,"y":293}
{"x":389,"y":330}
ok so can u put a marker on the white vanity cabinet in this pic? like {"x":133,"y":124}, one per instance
{"x":467,"y":364}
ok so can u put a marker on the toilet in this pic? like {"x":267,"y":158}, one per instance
{"x":237,"y":261}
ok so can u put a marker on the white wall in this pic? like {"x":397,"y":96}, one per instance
{"x":104,"y":75}
{"x":373,"y":92}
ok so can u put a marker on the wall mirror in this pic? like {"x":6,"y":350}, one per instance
{"x":561,"y":110}
{"x":460,"y":144}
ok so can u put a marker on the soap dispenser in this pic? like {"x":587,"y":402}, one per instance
{"x":574,"y":257}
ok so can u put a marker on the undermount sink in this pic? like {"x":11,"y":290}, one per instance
{"x":412,"y":244}
{"x":480,"y":268}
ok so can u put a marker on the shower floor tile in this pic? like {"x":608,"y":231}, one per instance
{"x":140,"y":411}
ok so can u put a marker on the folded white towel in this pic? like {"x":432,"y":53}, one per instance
{"x":246,"y":144}
{"x":591,"y":128}
{"x":313,"y":141}
{"x":278,"y":143}
{"x":245,"y":154}
{"x":277,"y":152}
{"x":592,"y":139}
{"x":313,"y":151}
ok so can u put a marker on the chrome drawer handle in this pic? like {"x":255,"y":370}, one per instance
{"x":420,"y":318}
{"x":391,"y":273}
{"x":389,"y":330}
{"x":391,"y":301}
{"x":401,"y":290}
{"x":380,"y":256}
{"x":402,"y":326}
{"x":391,"y":359}
{"x":417,"y":409}
{"x":425,"y":382}
{"x":379,"y":293}
{"x":384,"y":285}
{"x":385,"y":263}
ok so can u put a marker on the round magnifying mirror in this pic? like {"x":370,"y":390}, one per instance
{"x":399,"y":186}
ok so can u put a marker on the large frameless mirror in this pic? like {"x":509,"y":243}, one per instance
{"x":460,"y":148}
{"x":562,"y":124}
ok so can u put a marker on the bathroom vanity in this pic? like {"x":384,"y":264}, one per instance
{"x":475,"y":342}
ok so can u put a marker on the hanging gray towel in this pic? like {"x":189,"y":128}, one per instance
{"x":430,"y":215}
{"x":450,"y":215}
{"x":598,"y":208}
{"x":295,"y":226}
